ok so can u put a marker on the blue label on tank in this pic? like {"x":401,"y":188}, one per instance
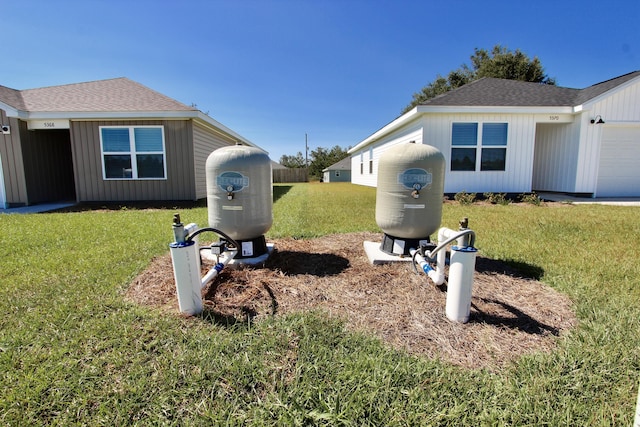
{"x":232,"y":181}
{"x":415,"y":179}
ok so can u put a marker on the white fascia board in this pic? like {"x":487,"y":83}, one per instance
{"x":447,"y":109}
{"x":109,"y":115}
{"x":11,"y":111}
{"x":406,"y":117}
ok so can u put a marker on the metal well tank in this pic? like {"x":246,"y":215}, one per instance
{"x":240,"y":196}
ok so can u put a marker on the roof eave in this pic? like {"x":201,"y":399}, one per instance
{"x":107,"y":115}
{"x":444,"y":109}
{"x":585,"y":106}
{"x":12,"y":111}
{"x":131,"y":115}
{"x":219,"y":127}
{"x":400,"y":121}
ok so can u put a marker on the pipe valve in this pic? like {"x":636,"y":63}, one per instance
{"x":179,"y":233}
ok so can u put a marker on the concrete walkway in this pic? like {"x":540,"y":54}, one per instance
{"x":614,"y":201}
{"x":44,"y":207}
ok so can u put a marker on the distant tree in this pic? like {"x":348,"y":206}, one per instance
{"x":296,"y":161}
{"x":500,"y":62}
{"x":321,"y":158}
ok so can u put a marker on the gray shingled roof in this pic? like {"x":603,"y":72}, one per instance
{"x":513,"y":93}
{"x":342,"y":165}
{"x":113,"y":95}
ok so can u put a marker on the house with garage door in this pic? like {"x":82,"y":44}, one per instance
{"x":515,"y":137}
{"x":108,"y":140}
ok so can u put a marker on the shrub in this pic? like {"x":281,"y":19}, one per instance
{"x":531,"y":198}
{"x":465,"y":198}
{"x":497,"y":198}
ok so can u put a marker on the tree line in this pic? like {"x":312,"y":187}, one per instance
{"x":321,"y":158}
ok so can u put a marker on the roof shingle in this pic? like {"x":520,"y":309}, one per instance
{"x":113,"y":95}
{"x":492,"y":92}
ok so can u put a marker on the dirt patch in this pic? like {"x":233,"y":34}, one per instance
{"x":511,"y":314}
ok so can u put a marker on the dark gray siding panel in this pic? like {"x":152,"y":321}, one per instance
{"x":206,"y":140}
{"x":343,"y":176}
{"x":90,"y":185}
{"x":12,"y":161}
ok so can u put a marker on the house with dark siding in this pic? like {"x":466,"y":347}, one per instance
{"x":108,"y":140}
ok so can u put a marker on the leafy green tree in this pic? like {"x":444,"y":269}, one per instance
{"x":500,"y":63}
{"x":296,"y":161}
{"x":321,"y":158}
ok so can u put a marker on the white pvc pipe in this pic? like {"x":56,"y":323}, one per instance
{"x":436,"y":277}
{"x":460,"y":284}
{"x":186,"y":272}
{"x":446,"y":236}
{"x":212,"y":273}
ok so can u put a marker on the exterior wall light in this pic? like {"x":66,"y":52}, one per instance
{"x":597,"y":120}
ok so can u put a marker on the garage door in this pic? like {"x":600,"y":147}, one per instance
{"x":619,"y":171}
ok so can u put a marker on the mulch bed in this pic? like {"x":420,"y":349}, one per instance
{"x":511,"y":314}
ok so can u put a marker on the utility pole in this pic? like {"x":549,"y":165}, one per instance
{"x":306,"y":151}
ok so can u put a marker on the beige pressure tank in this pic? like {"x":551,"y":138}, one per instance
{"x":240,"y":196}
{"x":409,"y":192}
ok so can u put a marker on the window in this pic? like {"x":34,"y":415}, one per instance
{"x":132,"y":152}
{"x":465,"y":143}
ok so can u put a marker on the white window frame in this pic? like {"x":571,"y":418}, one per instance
{"x":133,"y":153}
{"x":479,"y":146}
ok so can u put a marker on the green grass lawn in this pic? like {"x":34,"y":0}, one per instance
{"x":74,"y":351}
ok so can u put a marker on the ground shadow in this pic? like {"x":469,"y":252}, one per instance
{"x":294,"y":263}
{"x":516,"y":269}
{"x":280,"y":190}
{"x":235,"y":303}
{"x":519,"y":319}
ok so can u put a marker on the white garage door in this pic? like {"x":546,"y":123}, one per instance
{"x":619,"y":171}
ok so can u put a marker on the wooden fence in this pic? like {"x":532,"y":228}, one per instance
{"x":291,"y":175}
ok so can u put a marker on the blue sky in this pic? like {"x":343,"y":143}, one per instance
{"x":275,"y":70}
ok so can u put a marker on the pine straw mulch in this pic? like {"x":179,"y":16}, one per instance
{"x":511,"y":315}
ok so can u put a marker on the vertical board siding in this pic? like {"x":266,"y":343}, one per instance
{"x":205,"y":141}
{"x":516,"y":177}
{"x":91,"y":186}
{"x":410,"y":132}
{"x":15,"y":185}
{"x":556,"y":156}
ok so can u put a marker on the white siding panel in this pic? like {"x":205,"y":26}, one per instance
{"x":519,"y":162}
{"x":555,"y":159}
